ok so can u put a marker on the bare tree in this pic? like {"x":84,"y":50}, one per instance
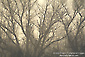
{"x":74,"y":25}
{"x":28,"y":28}
{"x":24,"y":16}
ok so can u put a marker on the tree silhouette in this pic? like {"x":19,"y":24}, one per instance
{"x":29,"y":29}
{"x":22,"y":15}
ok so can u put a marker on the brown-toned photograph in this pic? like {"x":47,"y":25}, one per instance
{"x":42,"y":28}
